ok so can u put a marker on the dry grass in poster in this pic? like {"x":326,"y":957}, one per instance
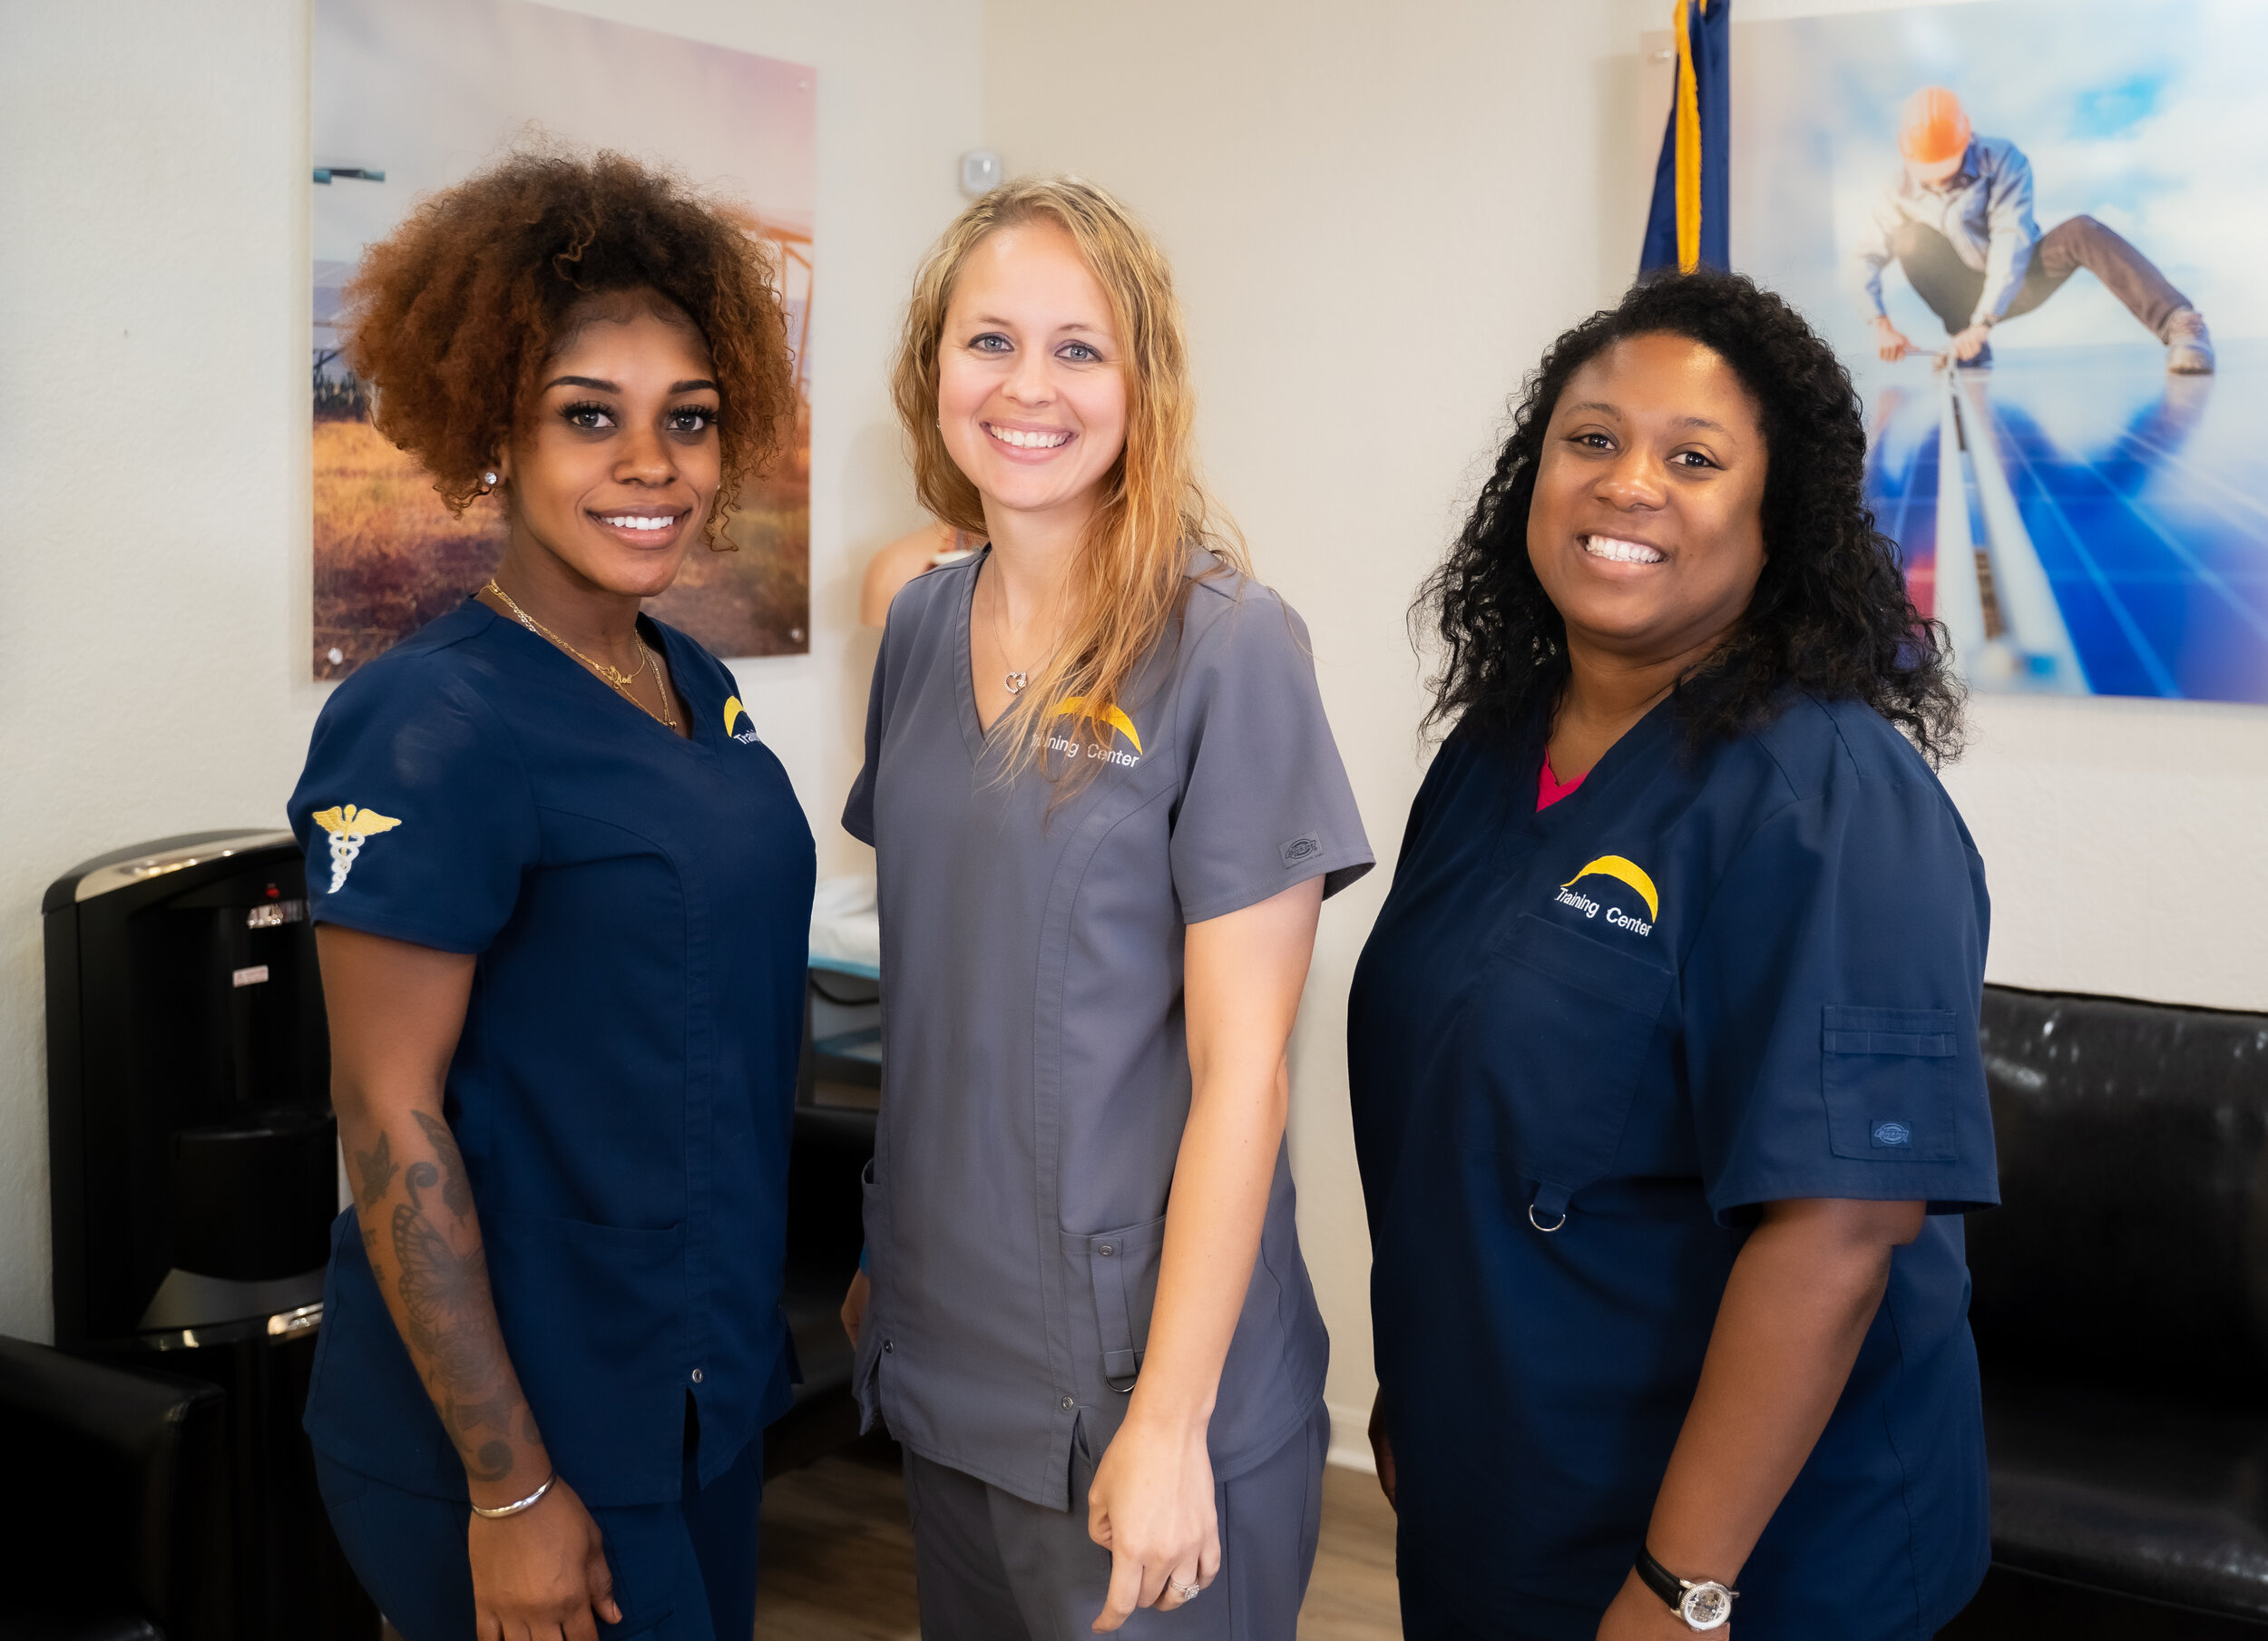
{"x":390,"y":557}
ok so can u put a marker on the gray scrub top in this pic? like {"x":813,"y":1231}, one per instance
{"x":1036,"y":1076}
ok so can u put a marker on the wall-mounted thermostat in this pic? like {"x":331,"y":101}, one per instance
{"x":980,"y":171}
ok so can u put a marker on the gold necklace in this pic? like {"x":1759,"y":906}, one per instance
{"x":614,"y":677}
{"x":668,"y":716}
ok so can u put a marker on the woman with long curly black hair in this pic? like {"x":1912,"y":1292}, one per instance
{"x":1664,"y":1050}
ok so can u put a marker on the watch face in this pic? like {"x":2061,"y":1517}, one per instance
{"x":1706,"y":1606}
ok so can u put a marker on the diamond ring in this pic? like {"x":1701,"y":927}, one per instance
{"x":1188,"y":1592}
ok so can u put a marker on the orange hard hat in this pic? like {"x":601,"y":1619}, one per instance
{"x":1934,"y":129}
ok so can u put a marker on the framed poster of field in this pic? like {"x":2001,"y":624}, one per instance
{"x":409,"y":96}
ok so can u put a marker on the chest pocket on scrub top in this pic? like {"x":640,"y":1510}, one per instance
{"x":1558,"y":1032}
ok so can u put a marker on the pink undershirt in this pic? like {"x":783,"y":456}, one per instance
{"x":1550,"y":788}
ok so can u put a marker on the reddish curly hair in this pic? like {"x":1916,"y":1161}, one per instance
{"x":452,"y":317}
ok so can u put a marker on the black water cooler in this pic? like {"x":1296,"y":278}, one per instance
{"x":194,"y":1161}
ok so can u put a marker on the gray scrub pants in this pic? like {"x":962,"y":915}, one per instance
{"x":1953,"y":289}
{"x":993,"y":1566}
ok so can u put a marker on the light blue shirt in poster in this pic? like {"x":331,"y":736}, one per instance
{"x":1984,"y":211}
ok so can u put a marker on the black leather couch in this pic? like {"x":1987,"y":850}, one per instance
{"x":2121,"y":1313}
{"x":119,"y":1502}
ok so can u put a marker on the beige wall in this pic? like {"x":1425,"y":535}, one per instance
{"x":2123,"y":843}
{"x":155,"y":574}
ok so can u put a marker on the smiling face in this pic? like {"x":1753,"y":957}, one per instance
{"x":1647,"y":529}
{"x":619,"y":465}
{"x":1031,"y":396}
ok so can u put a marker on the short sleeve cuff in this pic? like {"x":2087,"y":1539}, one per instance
{"x":364,"y":921}
{"x":1336,"y":871}
{"x":1945,"y":1187}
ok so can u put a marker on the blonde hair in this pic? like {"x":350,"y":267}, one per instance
{"x":1128,"y":580}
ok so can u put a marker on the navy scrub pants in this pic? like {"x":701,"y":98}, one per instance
{"x":684,"y":1571}
{"x":991,"y":1567}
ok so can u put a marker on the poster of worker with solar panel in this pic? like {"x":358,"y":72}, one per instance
{"x":2037,"y":230}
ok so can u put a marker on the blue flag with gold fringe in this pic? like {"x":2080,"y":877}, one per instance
{"x":1688,"y":224}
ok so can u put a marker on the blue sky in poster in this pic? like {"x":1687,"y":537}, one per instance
{"x":2149,"y":117}
{"x":427,"y":90}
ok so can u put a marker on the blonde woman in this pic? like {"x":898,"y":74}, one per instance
{"x":1106,"y":809}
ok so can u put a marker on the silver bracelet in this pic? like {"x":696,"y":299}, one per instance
{"x":517,"y":1505}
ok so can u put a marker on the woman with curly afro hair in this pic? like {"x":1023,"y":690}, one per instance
{"x":1666,"y":1085}
{"x":563,"y":893}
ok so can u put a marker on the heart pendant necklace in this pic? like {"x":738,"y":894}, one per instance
{"x":1018,"y":679}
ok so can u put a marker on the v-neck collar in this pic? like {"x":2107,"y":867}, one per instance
{"x":653,"y":632}
{"x":1638,"y":749}
{"x":972,"y":730}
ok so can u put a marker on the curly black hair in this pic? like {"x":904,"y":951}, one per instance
{"x":1830,"y":616}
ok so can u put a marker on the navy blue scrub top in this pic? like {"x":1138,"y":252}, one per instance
{"x":1700,"y":983}
{"x":624,"y":1085}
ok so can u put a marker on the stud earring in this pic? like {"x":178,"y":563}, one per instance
{"x":488,"y":483}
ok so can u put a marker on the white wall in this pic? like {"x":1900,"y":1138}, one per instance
{"x":2122,"y":840}
{"x":155,"y":571}
{"x":154,"y":446}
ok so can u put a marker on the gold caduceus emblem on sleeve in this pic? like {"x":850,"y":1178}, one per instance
{"x":348,"y":826}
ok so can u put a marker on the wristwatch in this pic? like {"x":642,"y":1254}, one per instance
{"x":1703,"y":1605}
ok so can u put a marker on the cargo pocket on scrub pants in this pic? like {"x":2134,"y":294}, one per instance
{"x":1558,"y":1032}
{"x":1122,"y":1265}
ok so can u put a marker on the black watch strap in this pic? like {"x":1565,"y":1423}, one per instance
{"x":1659,"y":1578}
{"x":1702,"y":1604}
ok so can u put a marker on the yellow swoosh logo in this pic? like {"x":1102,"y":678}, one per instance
{"x":733,"y":710}
{"x":1110,"y":715}
{"x":1629,"y":872}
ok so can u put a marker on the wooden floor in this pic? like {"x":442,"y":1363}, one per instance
{"x":838,"y":1559}
{"x":1353,"y":1596}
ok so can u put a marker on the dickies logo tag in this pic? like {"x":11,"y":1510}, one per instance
{"x":1299,"y":849}
{"x":1892,"y":1134}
